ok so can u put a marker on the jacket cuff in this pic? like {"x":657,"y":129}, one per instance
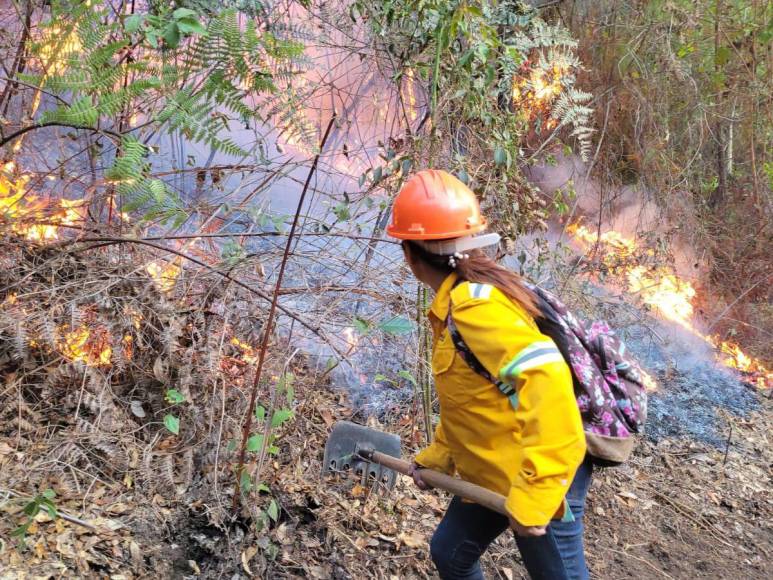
{"x":436,"y":457}
{"x":531,"y":505}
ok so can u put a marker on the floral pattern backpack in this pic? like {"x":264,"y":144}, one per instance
{"x":608,"y":384}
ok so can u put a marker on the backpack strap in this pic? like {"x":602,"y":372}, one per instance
{"x":505,"y":388}
{"x":472,"y":361}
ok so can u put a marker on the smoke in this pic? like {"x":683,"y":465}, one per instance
{"x":693,"y":386}
{"x":630,"y":210}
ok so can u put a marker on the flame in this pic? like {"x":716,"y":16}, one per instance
{"x":248,"y":353}
{"x":535,"y":91}
{"x":410,"y":94}
{"x":57,"y":48}
{"x":668,"y":295}
{"x":89,"y":346}
{"x":128,"y":345}
{"x":649,"y":383}
{"x":35,"y":219}
{"x":164,"y":274}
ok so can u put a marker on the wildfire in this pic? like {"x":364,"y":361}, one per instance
{"x":35,"y":219}
{"x":90,"y":346}
{"x":535,"y":91}
{"x":668,"y":295}
{"x":57,"y":47}
{"x":410,"y":95}
{"x":248,"y":353}
{"x":164,"y":274}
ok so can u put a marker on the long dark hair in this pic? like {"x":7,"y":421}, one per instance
{"x":482,"y":269}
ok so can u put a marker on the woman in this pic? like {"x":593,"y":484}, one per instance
{"x":529,"y":446}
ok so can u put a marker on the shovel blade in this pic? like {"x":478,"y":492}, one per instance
{"x":345,"y":442}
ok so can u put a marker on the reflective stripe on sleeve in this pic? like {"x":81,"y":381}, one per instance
{"x":534,"y":355}
{"x":480,"y":290}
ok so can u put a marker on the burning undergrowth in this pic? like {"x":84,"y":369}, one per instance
{"x":700,"y":376}
{"x":114,"y":374}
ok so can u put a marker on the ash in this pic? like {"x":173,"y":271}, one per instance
{"x":693,"y":387}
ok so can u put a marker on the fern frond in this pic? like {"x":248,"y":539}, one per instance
{"x":80,"y":112}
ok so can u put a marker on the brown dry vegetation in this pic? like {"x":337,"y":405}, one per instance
{"x":136,"y":500}
{"x":148,"y":503}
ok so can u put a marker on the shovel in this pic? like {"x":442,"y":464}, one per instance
{"x":374,"y":456}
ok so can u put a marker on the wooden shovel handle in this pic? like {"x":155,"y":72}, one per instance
{"x":464,"y":489}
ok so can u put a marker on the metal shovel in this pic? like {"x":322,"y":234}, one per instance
{"x":374,"y":456}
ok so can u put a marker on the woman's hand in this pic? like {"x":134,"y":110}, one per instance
{"x":527,"y":531}
{"x":415,"y":472}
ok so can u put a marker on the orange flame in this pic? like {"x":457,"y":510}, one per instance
{"x":535,"y":91}
{"x":671,"y":297}
{"x":35,"y":219}
{"x":89,"y":346}
{"x":164,"y":274}
{"x":248,"y":353}
{"x":410,"y":94}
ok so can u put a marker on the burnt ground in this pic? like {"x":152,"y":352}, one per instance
{"x":681,"y":508}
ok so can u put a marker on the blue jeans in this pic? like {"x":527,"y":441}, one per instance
{"x":467,"y":529}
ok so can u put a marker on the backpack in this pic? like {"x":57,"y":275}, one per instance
{"x":608,"y":384}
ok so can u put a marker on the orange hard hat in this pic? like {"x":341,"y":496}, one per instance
{"x":435,"y":205}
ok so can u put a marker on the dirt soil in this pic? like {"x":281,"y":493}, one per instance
{"x":677,"y":510}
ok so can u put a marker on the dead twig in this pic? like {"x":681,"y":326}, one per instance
{"x":65,"y":516}
{"x":270,"y":318}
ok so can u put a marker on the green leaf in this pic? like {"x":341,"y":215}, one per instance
{"x":407,"y":376}
{"x":466,"y":57}
{"x":171,"y":35}
{"x":21,"y":531}
{"x":377,"y":173}
{"x":255,"y":442}
{"x":341,"y":211}
{"x":245,"y":481}
{"x":723,"y":55}
{"x":174,"y":397}
{"x":280,"y":416}
{"x":500,"y":156}
{"x":49,"y":494}
{"x":260,"y":412}
{"x":32,"y":508}
{"x":182,"y":13}
{"x":514,"y":54}
{"x":51,"y":510}
{"x":262,"y":487}
{"x":273,"y":510}
{"x":133,"y":23}
{"x":172,"y":423}
{"x":396,"y":325}
{"x":191,"y":26}
{"x":361,"y":325}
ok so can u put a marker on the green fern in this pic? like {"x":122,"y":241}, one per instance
{"x":196,"y":86}
{"x":81,"y":112}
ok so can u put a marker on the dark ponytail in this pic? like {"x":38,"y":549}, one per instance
{"x":482,"y":269}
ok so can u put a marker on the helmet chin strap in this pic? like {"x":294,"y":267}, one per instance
{"x":455,"y":245}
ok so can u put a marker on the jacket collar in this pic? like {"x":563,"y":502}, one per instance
{"x":442,"y":301}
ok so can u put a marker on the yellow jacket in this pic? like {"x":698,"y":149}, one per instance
{"x":527,"y":449}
